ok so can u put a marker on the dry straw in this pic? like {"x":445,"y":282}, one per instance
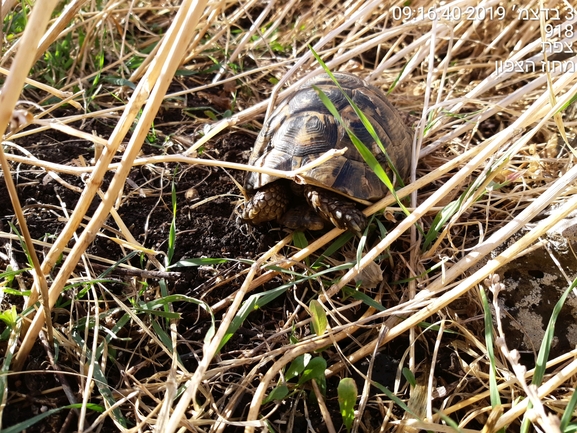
{"x":483,"y":119}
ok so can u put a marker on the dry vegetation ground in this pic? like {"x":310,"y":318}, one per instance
{"x":121,"y":145}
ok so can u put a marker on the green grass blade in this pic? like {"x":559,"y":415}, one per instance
{"x":9,"y":316}
{"x":367,"y":155}
{"x":361,"y":296}
{"x":172,"y":231}
{"x":99,"y":376}
{"x":490,"y":344}
{"x":300,"y":241}
{"x":440,"y":220}
{"x":199,"y":262}
{"x":336,"y":245}
{"x":568,"y":414}
{"x":24,"y":425}
{"x":396,"y":399}
{"x":9,"y":273}
{"x":259,"y":300}
{"x":362,"y":149}
{"x":247,"y":307}
{"x":408,"y":374}
{"x":124,"y":259}
{"x":450,"y":422}
{"x":545,"y":348}
{"x":162,"y":335}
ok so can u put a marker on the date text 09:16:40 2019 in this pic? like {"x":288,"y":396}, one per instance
{"x":476,"y":13}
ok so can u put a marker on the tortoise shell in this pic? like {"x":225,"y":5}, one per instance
{"x":301,"y":129}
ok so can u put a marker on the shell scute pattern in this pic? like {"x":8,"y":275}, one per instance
{"x":301,"y":129}
{"x":307,"y":100}
{"x":305,"y":135}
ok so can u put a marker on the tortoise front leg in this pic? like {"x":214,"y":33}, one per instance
{"x":268,"y":204}
{"x":336,"y":209}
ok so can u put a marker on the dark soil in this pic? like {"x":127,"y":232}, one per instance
{"x":210,"y":230}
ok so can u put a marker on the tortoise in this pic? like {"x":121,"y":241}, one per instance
{"x":301,"y":129}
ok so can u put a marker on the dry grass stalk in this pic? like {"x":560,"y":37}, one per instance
{"x":10,"y":93}
{"x":444,"y":76}
{"x":163,"y":67}
{"x":454,"y":293}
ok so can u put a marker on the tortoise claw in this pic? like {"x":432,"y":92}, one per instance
{"x":336,"y":209}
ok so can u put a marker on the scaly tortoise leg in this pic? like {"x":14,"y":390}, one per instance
{"x":268,"y":204}
{"x":336,"y":209}
{"x":302,"y":217}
